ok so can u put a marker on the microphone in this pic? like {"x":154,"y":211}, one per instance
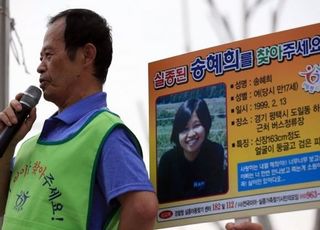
{"x":29,"y":100}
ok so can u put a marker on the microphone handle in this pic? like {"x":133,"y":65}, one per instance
{"x":8,"y":133}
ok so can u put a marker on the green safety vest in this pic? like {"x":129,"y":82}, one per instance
{"x":52,"y":183}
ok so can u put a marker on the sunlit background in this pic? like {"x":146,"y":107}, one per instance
{"x":149,"y":30}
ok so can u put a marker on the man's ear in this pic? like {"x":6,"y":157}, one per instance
{"x":89,"y":53}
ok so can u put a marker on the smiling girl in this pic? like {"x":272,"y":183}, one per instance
{"x":195,"y":166}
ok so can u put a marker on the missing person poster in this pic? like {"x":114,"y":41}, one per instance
{"x":235,"y":129}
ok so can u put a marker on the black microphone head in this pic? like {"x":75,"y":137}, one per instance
{"x":31,"y":96}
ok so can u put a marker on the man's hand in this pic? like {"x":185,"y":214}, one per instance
{"x":244,"y":226}
{"x":8,"y":118}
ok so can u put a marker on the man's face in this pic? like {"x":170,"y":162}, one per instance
{"x":58,"y":74}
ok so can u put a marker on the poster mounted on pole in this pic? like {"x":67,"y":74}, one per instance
{"x":234,"y":129}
